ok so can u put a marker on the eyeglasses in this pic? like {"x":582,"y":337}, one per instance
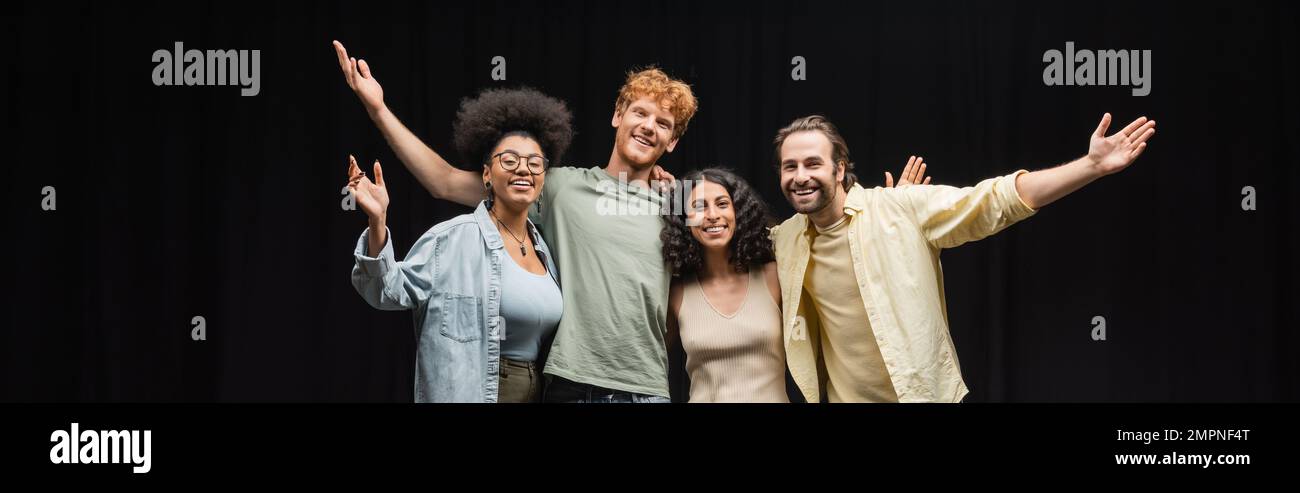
{"x":510,"y":161}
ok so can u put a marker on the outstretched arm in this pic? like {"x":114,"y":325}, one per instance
{"x":1106,"y":155}
{"x":439,"y":177}
{"x":951,"y":216}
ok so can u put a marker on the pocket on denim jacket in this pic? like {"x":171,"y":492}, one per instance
{"x":460,"y":318}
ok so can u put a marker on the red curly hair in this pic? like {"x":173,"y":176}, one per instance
{"x":672,"y":94}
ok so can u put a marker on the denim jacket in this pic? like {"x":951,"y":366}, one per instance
{"x":451,"y":279}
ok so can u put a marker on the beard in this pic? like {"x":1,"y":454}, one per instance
{"x":825,"y":196}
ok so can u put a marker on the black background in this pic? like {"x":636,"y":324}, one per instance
{"x":182,"y":201}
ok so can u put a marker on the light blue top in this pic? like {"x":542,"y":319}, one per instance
{"x":531,"y":308}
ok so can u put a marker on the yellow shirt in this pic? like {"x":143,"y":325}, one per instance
{"x":855,"y":371}
{"x":894,"y":241}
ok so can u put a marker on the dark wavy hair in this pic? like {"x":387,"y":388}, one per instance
{"x":750,"y":245}
{"x":494,"y":114}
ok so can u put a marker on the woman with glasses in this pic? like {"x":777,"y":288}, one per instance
{"x":484,"y":290}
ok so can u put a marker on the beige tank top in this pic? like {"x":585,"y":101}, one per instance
{"x":736,"y":357}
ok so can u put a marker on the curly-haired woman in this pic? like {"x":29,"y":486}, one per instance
{"x":724,"y":305}
{"x":483,"y":287}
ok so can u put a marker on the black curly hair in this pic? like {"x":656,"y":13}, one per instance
{"x":750,"y":245}
{"x":496,"y":113}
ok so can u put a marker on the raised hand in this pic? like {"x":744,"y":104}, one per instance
{"x":359,"y":79}
{"x":913,"y":174}
{"x":371,"y":196}
{"x":1114,"y":153}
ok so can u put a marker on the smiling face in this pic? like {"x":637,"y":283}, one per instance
{"x":713,"y":215}
{"x":809,"y":177}
{"x":644,"y":132}
{"x":517,"y":189}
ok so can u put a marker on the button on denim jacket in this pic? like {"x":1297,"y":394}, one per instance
{"x":451,"y":280}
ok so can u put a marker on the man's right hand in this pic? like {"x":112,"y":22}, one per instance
{"x":359,"y":79}
{"x":434,"y":173}
{"x":913,"y":174}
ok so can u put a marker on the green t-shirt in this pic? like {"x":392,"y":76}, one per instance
{"x":605,"y":239}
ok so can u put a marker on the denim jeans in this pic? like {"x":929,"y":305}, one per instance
{"x":562,"y":390}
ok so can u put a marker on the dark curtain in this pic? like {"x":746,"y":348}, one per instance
{"x":176,"y":202}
